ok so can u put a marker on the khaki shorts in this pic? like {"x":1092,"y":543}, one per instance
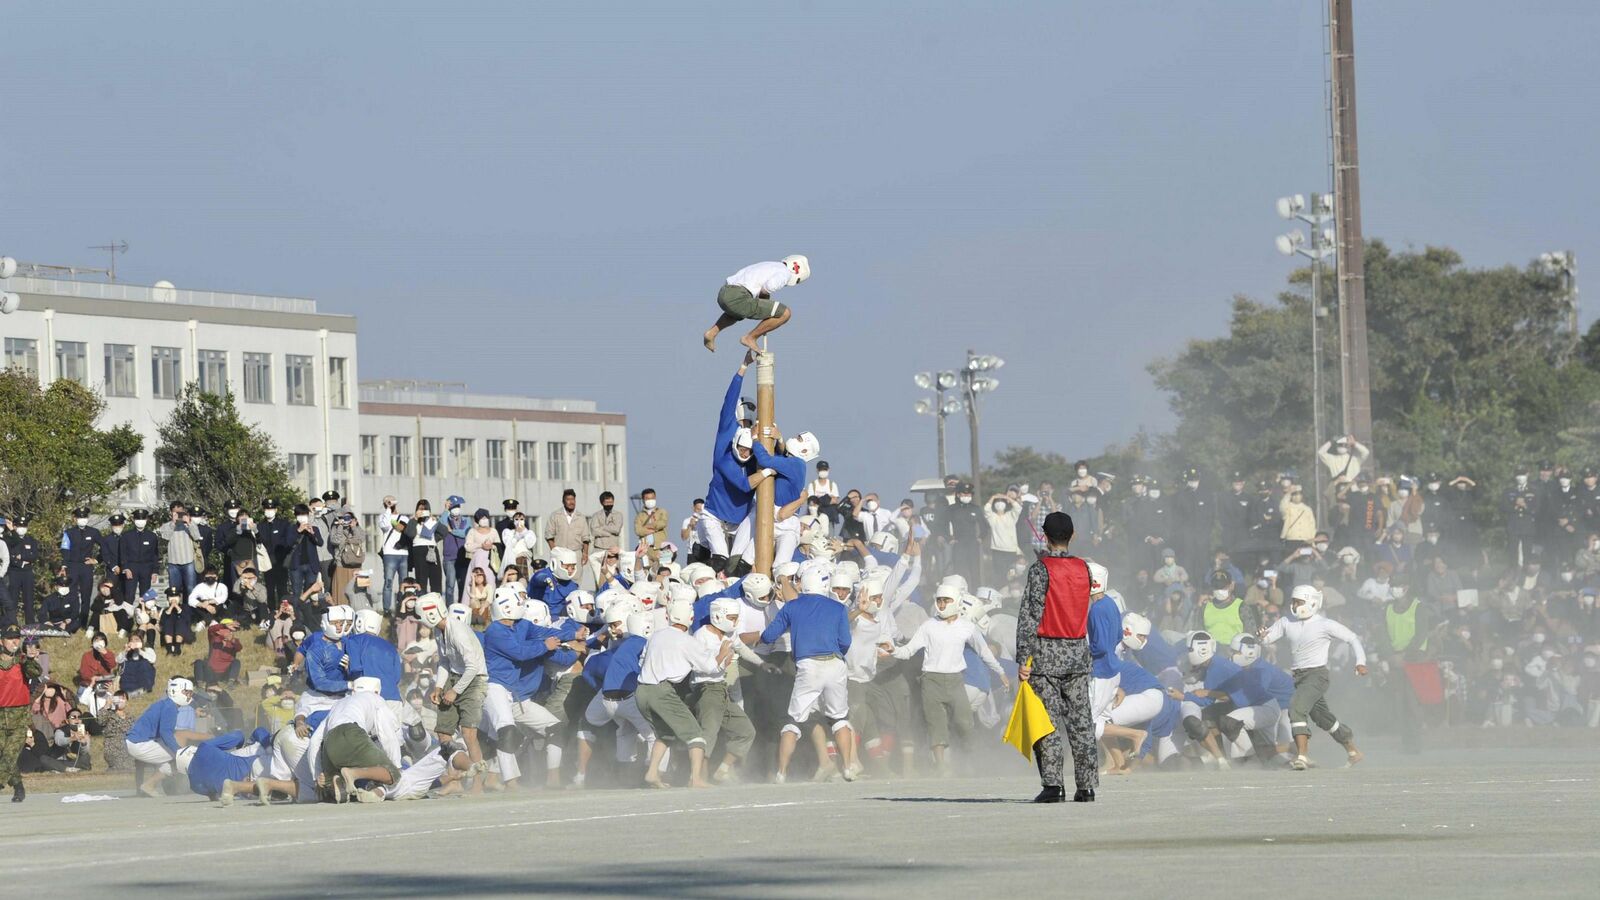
{"x":467,"y":710}
{"x":349,"y":746}
{"x":738,"y":301}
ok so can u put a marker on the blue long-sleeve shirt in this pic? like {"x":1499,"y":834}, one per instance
{"x":158,"y":723}
{"x":817,"y":626}
{"x":702,"y":605}
{"x":515,"y":655}
{"x":323,"y":672}
{"x":1157,"y":654}
{"x":213,"y":764}
{"x":1261,"y":683}
{"x":728,"y":496}
{"x":791,"y":477}
{"x":1219,"y":677}
{"x":1135,"y":678}
{"x":595,"y":666}
{"x":623,"y":672}
{"x":544,"y":585}
{"x":1105,"y":633}
{"x":372,"y":656}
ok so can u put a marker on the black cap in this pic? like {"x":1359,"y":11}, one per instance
{"x":1546,"y":465}
{"x":823,"y":464}
{"x":1433,"y":476}
{"x":330,"y":495}
{"x":174,"y":591}
{"x":81,"y":511}
{"x":1238,"y":476}
{"x":235,"y":504}
{"x":1589,"y":472}
{"x":269,"y":503}
{"x":11,"y":633}
{"x":20,"y":521}
{"x":118,"y":519}
{"x":509,"y":504}
{"x":196,"y":509}
{"x":965,"y":486}
{"x":1221,"y":579}
{"x":61,"y":581}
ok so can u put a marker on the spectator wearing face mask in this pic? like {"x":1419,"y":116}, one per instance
{"x":1342,"y":457}
{"x":963,"y":529}
{"x":650,"y":525}
{"x":1299,"y":520}
{"x":453,"y":553}
{"x":208,"y":600}
{"x":97,"y":666}
{"x":605,"y":526}
{"x":1001,"y":516}
{"x":137,"y":668}
{"x":426,"y":536}
{"x":1519,"y":506}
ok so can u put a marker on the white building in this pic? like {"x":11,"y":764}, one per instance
{"x":428,"y":440}
{"x":291,"y":368}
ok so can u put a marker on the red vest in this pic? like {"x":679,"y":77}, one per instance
{"x":1066,"y":603}
{"x":13,"y":687}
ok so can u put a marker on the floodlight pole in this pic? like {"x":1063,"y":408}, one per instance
{"x":766,"y":400}
{"x":939,"y":413}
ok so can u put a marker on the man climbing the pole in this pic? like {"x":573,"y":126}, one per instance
{"x":747,"y":294}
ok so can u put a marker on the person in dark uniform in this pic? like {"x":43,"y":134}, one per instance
{"x":225,"y":536}
{"x":111,"y":555}
{"x":277,"y":534}
{"x":139,"y":549}
{"x":1520,"y":506}
{"x":504,"y":523}
{"x":964,"y":527}
{"x":1233,"y":515}
{"x":80,"y":554}
{"x":1194,"y":515}
{"x":1053,"y":648}
{"x":20,"y":578}
{"x":1266,"y":522}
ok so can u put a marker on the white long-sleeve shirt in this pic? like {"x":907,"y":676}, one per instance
{"x":208,"y":593}
{"x":942,"y":642}
{"x":460,"y":653}
{"x":368,"y":711}
{"x":755,"y":619}
{"x":671,"y":655}
{"x":861,"y":661}
{"x":711,"y":640}
{"x":1309,"y":640}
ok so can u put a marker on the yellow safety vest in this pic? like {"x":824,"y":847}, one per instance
{"x":1223,"y":622}
{"x":1402,"y":627}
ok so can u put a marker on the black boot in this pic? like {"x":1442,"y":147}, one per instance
{"x":20,"y":792}
{"x":1051,"y":794}
{"x":1084,"y":795}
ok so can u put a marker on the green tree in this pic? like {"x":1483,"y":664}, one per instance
{"x":53,"y":455}
{"x":214,"y":456}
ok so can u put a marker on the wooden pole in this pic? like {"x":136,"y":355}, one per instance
{"x":1350,"y":268}
{"x":765,"y":403}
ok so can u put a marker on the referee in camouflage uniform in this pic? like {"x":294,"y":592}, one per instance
{"x":15,"y":673}
{"x":1053,"y":645}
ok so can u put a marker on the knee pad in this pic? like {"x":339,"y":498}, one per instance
{"x":1230,"y":727}
{"x":508,"y":739}
{"x":1193,"y":728}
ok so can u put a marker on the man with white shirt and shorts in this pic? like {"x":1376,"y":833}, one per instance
{"x":747,"y":294}
{"x":1310,"y":633}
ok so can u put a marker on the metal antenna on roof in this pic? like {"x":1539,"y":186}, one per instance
{"x":112,"y":249}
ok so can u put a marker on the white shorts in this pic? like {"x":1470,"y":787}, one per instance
{"x":311,"y":701}
{"x":711,"y":532}
{"x":1101,"y":692}
{"x":499,"y":710}
{"x":152,"y":752}
{"x":417,"y":778}
{"x":785,"y":536}
{"x":820,"y":684}
{"x":286,"y":752}
{"x":1137,"y":709}
{"x":625,"y":713}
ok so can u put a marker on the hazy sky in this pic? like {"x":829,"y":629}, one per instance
{"x":1078,"y":187}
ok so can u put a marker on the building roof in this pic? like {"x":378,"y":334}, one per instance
{"x":165,"y":302}
{"x":451,"y":400}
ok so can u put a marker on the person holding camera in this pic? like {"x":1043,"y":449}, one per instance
{"x":71,"y":743}
{"x":183,"y":546}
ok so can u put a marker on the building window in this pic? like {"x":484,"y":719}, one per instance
{"x":120,"y":377}
{"x":432,"y":457}
{"x":303,"y":472}
{"x":555,"y":460}
{"x":72,"y":361}
{"x":369,"y":525}
{"x":613,"y":462}
{"x":166,"y":372}
{"x":298,"y":380}
{"x":586,"y":470}
{"x":338,"y":386}
{"x":400,"y":455}
{"x":528,"y":460}
{"x":163,"y":475}
{"x":494,"y":459}
{"x":213,"y":365}
{"x":258,"y":377}
{"x":466,"y":458}
{"x":341,"y":475}
{"x":369,"y":454}
{"x":23,"y":353}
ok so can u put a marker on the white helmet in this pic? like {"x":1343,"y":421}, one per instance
{"x":1135,"y":631}
{"x":618,"y":612}
{"x":648,"y":593}
{"x":874,"y":584}
{"x":1246,"y":648}
{"x":1305,"y":601}
{"x":461,"y":612}
{"x":786,"y":569}
{"x":725,"y":614}
{"x":757,"y":589}
{"x":799,"y":268}
{"x":180,"y":690}
{"x":628,"y":565}
{"x":1097,"y":579}
{"x":564,"y":563}
{"x":535,"y":611}
{"x":743,"y":439}
{"x":609,"y":598}
{"x":367,"y":684}
{"x":675,"y":592}
{"x":337,"y":621}
{"x":185,"y":757}
{"x":886,"y":541}
{"x":947,"y":601}
{"x":680,"y":613}
{"x":708,"y":587}
{"x":640,"y":623}
{"x":431,"y":609}
{"x":957,"y":580}
{"x":368,"y":621}
{"x":973,"y":610}
{"x":580,"y":606}
{"x":803,"y":446}
{"x":694,"y":572}
{"x":1202,"y":646}
{"x":989,"y":596}
{"x":507,"y":603}
{"x":816,"y":577}
{"x":846,"y":574}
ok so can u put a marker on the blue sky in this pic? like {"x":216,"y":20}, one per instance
{"x":1078,"y":187}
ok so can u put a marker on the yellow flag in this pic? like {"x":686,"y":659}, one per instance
{"x":1030,"y":721}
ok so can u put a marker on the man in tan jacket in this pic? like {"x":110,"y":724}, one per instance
{"x":650,"y":525}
